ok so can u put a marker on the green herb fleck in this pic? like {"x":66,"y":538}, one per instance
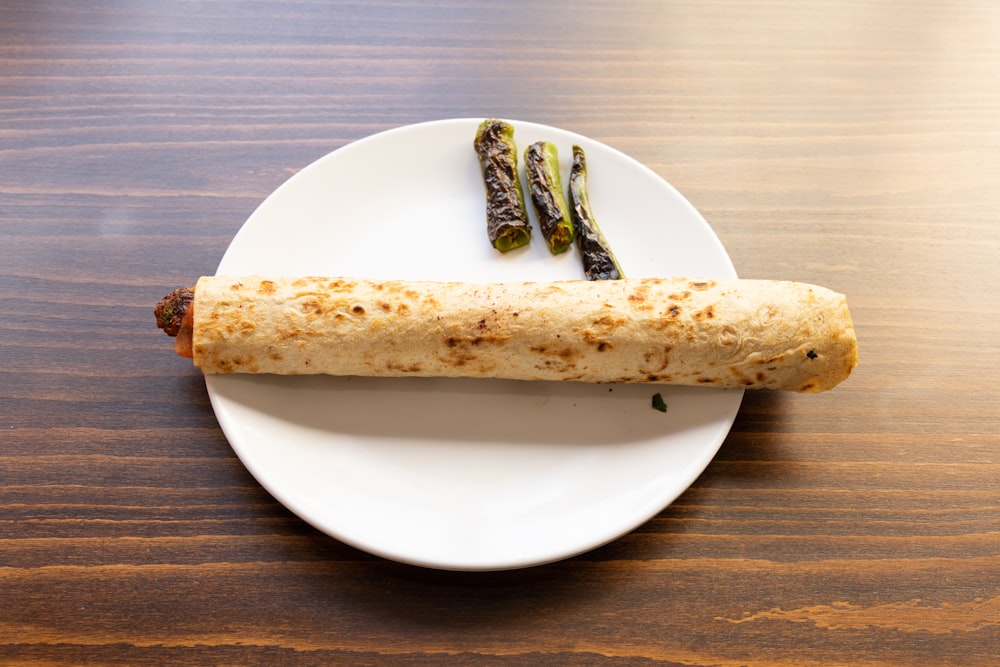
{"x":658,"y":403}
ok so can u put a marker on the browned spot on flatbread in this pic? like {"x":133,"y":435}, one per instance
{"x":313,"y":305}
{"x":706,"y":313}
{"x":771,"y":360}
{"x":462,"y":349}
{"x":458,"y":359}
{"x":739,"y":375}
{"x":561,"y":358}
{"x":605,"y":327}
{"x":609,"y":321}
{"x":340,"y":284}
{"x":639,"y":298}
{"x":398,"y":367}
{"x":596,"y":341}
{"x":668,"y":318}
{"x":655,"y":360}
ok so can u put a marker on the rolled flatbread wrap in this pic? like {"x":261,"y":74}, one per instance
{"x":714,"y":333}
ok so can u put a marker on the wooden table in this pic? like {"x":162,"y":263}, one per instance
{"x":851,"y":144}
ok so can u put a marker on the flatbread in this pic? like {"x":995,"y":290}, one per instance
{"x":714,"y":333}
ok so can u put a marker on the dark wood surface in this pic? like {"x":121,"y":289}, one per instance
{"x":851,"y":144}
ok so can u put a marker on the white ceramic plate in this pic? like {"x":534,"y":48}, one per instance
{"x":466,"y":474}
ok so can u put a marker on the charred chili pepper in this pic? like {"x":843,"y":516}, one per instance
{"x":599,"y":263}
{"x":541,"y":165}
{"x":507,"y":222}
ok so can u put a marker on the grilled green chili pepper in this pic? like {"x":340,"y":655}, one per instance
{"x":599,"y":263}
{"x":507,"y":223}
{"x":541,"y":165}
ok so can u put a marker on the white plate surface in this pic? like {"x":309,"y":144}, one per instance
{"x":466,"y":474}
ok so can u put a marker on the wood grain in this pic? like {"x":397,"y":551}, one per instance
{"x":851,"y":144}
